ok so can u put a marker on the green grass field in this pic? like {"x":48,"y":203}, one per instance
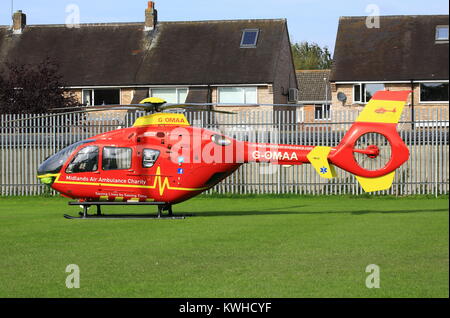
{"x":234,"y":247}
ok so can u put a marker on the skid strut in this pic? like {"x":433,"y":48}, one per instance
{"x":162,"y":206}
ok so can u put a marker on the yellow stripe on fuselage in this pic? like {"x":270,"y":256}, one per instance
{"x":158,"y":183}
{"x":381,"y":111}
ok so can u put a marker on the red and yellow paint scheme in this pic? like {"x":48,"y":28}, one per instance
{"x":164,"y":159}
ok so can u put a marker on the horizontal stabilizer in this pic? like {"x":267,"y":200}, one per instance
{"x":376,"y":184}
{"x":318,"y":157}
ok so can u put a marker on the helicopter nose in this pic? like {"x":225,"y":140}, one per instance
{"x":48,"y":172}
{"x":47,"y":179}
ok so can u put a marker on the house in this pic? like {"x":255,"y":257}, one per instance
{"x":314,"y":95}
{"x":403,"y":53}
{"x":227,"y":61}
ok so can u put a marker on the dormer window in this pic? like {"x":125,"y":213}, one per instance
{"x":442,"y":33}
{"x":249,"y":38}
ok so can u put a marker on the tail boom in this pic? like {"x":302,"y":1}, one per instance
{"x":380,"y":117}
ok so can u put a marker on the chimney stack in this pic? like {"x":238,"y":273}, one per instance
{"x":151,"y":17}
{"x":19,"y":22}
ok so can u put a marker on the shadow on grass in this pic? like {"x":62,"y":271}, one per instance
{"x":275,"y":212}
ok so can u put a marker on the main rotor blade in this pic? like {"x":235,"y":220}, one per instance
{"x":202,"y":110}
{"x":194,"y":107}
{"x":183,"y":105}
{"x":64,"y":113}
{"x":162,"y":107}
{"x":140,"y":106}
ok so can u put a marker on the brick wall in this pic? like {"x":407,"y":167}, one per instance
{"x":126,"y":95}
{"x":77,"y":94}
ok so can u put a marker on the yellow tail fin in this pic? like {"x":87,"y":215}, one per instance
{"x":376,"y":184}
{"x":384,"y":107}
{"x":318,"y":157}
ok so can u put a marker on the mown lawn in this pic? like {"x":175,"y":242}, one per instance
{"x":264,"y":246}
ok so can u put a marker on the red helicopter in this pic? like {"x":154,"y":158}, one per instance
{"x":162,"y":160}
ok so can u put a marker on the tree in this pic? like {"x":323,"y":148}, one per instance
{"x":310,"y":56}
{"x":28,"y":89}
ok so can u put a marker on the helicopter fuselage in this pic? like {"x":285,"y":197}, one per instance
{"x":164,"y":163}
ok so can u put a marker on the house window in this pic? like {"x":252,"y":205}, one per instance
{"x":322,"y":112}
{"x":116,"y":158}
{"x":170,"y":95}
{"x":442,"y":33}
{"x":434,"y":92}
{"x":249,"y":38}
{"x":362,"y":93}
{"x":238,"y":95}
{"x":96,"y":97}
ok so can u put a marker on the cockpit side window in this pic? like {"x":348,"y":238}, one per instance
{"x":86,"y":160}
{"x":54,"y":163}
{"x":149,"y":157}
{"x":115,"y":158}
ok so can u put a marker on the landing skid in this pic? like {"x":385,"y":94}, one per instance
{"x":125,"y":217}
{"x":162,"y":206}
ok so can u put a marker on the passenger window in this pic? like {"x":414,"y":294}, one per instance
{"x":116,"y":158}
{"x":149,"y":157}
{"x":86,"y":160}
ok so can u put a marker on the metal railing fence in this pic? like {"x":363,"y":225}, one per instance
{"x":26,"y":144}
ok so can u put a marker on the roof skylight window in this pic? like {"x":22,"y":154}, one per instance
{"x":249,"y":38}
{"x":442,"y":33}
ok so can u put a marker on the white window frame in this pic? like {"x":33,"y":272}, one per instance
{"x":436,"y":35}
{"x":429,"y":102}
{"x":363,"y":93}
{"x":150,"y":94}
{"x":300,"y":114}
{"x":243,"y":90}
{"x":83,"y":92}
{"x":323,"y":106}
{"x":253,"y":45}
{"x":360,"y":95}
{"x":92,"y":89}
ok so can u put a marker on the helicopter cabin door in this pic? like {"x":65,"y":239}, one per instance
{"x":117,"y":180}
{"x":148,"y":168}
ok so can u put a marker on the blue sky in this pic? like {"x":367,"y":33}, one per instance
{"x":310,"y":20}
